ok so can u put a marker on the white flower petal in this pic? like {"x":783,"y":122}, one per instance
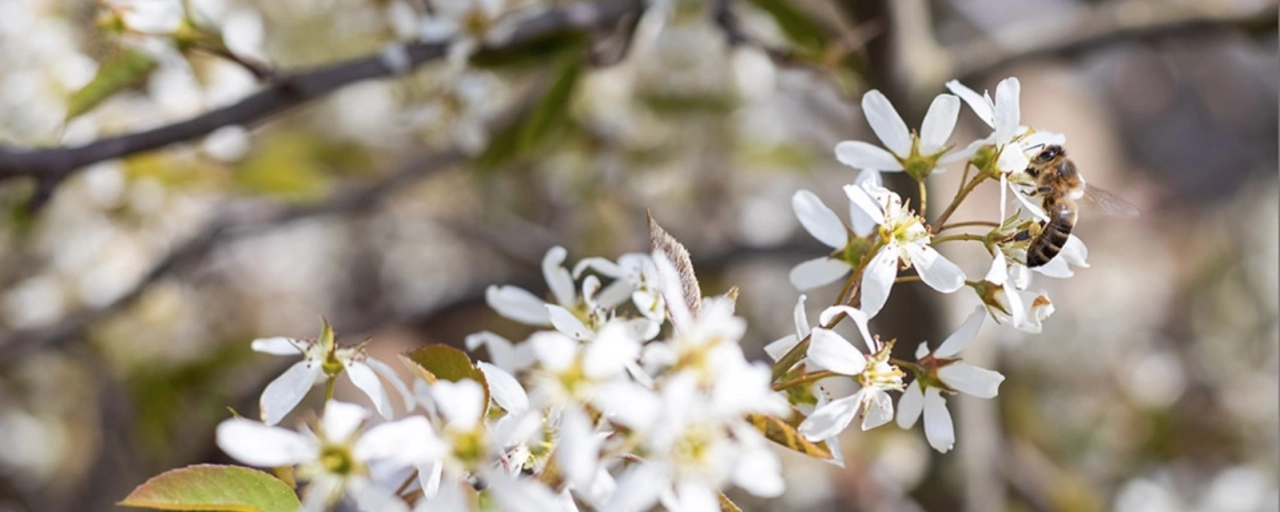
{"x":627,"y":403}
{"x":971,"y":380}
{"x":638,"y":488}
{"x":615,"y":294}
{"x":286,"y":391}
{"x":863,"y":208}
{"x":939,"y":123}
{"x":1007,"y":112}
{"x":859,"y":318}
{"x":830,"y":419}
{"x":1039,"y":139}
{"x":578,"y":448}
{"x":371,"y":497}
{"x":600,"y":266}
{"x":504,"y":388}
{"x":999,"y":272}
{"x":938,"y":428}
{"x":759,"y":472}
{"x":1030,"y":207}
{"x":553,"y":350}
{"x":1012,"y":159}
{"x":878,"y":406}
{"x":830,"y":351}
{"x":819,"y":220}
{"x":565,"y":321}
{"x":460,"y":402}
{"x":801,"y":320}
{"x":260,"y":445}
{"x":910,"y":405}
{"x":886,"y":122}
{"x":321,"y":492}
{"x":502,"y":352}
{"x":694,"y":496}
{"x":521,"y":494}
{"x":980,"y":105}
{"x":935,"y":269}
{"x":878,"y":279}
{"x":781,"y":346}
{"x":408,"y":441}
{"x":367,"y":381}
{"x":341,"y":420}
{"x":863,"y":155}
{"x":391,"y":376}
{"x":817,"y":272}
{"x":517,"y":304}
{"x":608,"y":355}
{"x":279,"y":346}
{"x":558,"y":278}
{"x":960,"y":339}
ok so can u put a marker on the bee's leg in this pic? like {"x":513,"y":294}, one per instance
{"x":1044,"y":190}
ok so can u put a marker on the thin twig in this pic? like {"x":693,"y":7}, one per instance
{"x":50,"y":166}
{"x":1105,"y":24}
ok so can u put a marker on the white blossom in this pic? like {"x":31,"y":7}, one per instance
{"x":337,"y":458}
{"x":954,"y":376}
{"x":905,"y":149}
{"x":322,"y":358}
{"x":872,"y":370}
{"x":823,"y":223}
{"x":905,"y":241}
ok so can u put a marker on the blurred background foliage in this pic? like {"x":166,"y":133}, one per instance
{"x":130,"y":288}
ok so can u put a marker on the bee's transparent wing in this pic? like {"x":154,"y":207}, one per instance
{"x":1109,"y":203}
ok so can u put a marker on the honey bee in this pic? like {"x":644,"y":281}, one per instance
{"x":1059,"y":186}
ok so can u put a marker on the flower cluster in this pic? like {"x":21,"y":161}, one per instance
{"x":634,"y":390}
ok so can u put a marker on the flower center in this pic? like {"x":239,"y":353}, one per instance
{"x":338,"y":460}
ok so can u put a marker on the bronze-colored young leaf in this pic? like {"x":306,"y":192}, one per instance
{"x":125,"y":70}
{"x":679,"y":283}
{"x":784,"y":433}
{"x":214,"y":488}
{"x":443,"y":362}
{"x":727,"y":505}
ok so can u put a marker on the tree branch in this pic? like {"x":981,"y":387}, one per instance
{"x":1100,"y":26}
{"x":52,"y":165}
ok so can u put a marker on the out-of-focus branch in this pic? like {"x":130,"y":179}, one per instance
{"x":50,"y":166}
{"x":232,"y":225}
{"x":1103,"y":25}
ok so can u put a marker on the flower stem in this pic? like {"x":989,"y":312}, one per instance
{"x":960,"y":195}
{"x":924,"y":198}
{"x":328,"y":389}
{"x":980,"y":223}
{"x":793,"y":356}
{"x":804,"y":379}
{"x":959,"y":236}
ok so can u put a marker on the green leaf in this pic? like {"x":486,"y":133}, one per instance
{"x":538,"y":128}
{"x":784,"y":433}
{"x":214,"y":488}
{"x":443,"y":362}
{"x":120,"y":72}
{"x":799,"y":27}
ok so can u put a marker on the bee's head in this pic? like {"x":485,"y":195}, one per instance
{"x":1049,"y":153}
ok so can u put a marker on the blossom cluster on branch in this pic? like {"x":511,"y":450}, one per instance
{"x":635,"y":390}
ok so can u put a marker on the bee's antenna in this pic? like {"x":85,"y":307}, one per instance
{"x":1035,"y":147}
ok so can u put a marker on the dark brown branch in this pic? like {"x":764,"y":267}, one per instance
{"x":1101,"y":26}
{"x":50,"y":166}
